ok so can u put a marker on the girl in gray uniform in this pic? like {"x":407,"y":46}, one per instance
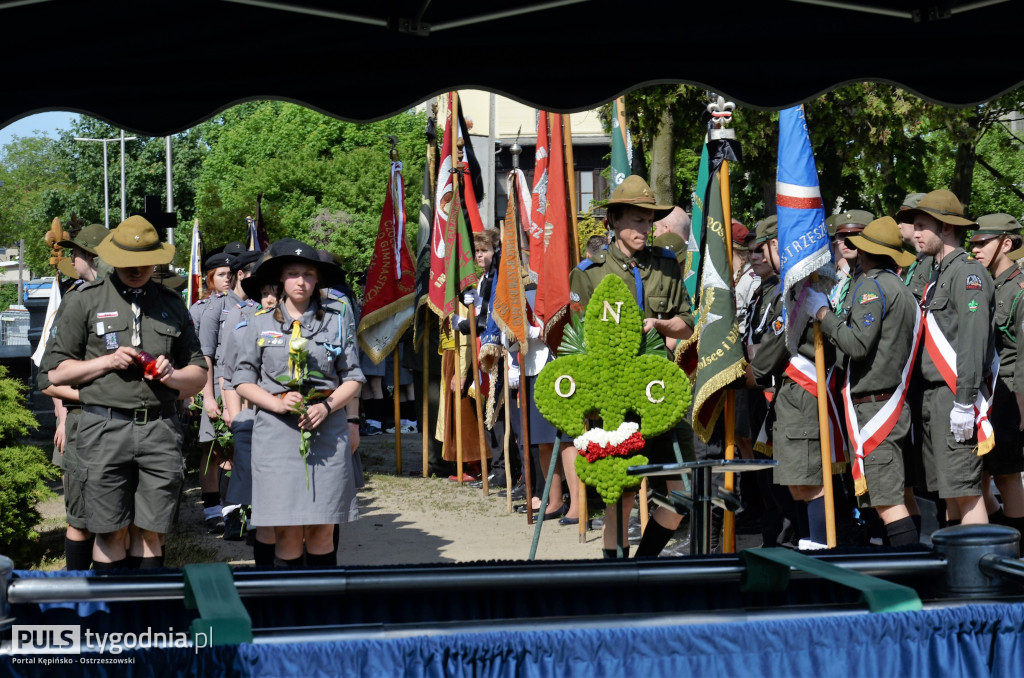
{"x":301,"y":498}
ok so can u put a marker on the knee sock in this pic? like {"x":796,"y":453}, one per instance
{"x":408,"y":411}
{"x":610,"y":554}
{"x":151,"y":562}
{"x":290,"y":564}
{"x":1017,"y":524}
{"x":816,"y":521}
{"x":78,"y":554}
{"x":116,"y":565}
{"x":223,"y":479}
{"x":952,"y":523}
{"x":901,"y":532}
{"x":337,"y":539}
{"x":321,"y":559}
{"x":133,"y":562}
{"x":263,"y":554}
{"x":211,"y":499}
{"x":655,"y":538}
{"x":916,"y":517}
{"x":998,"y":518}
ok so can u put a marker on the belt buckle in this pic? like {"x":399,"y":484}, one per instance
{"x":144,"y":412}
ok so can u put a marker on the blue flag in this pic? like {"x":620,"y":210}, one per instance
{"x":804,"y":244}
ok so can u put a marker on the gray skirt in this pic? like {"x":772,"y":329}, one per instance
{"x":279,"y":493}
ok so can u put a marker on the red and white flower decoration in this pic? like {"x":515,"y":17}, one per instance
{"x":598,"y":443}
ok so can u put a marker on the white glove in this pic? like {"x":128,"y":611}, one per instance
{"x":814,"y":301}
{"x":961,"y":422}
{"x":533,"y":332}
{"x":469,"y":297}
{"x":513,"y":377}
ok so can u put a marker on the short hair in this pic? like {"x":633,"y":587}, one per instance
{"x":489,"y":237}
{"x":595,"y":244}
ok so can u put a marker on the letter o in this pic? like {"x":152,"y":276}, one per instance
{"x":558,"y":386}
{"x":659,"y":382}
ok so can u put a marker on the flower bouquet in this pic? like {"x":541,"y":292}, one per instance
{"x":297,"y":380}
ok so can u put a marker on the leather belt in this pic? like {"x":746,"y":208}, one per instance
{"x":873,"y":398}
{"x":139,"y":415}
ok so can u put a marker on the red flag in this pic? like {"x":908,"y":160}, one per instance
{"x":391,"y":280}
{"x":195,"y":271}
{"x":535,"y":224}
{"x":469,"y":198}
{"x":552,"y":299}
{"x":451,"y":250}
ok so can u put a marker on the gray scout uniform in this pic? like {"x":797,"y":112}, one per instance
{"x":1007,"y":457}
{"x":960,"y":299}
{"x":239,"y":490}
{"x":129,"y":436}
{"x":876,"y":335}
{"x":795,"y":436}
{"x":209,"y":331}
{"x":279,"y":495}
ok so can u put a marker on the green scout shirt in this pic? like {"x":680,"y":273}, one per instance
{"x":960,"y":299}
{"x":916,"y":275}
{"x":1008,"y":319}
{"x":664,"y":295}
{"x":101,"y":321}
{"x":877,"y":332}
{"x":46,"y":363}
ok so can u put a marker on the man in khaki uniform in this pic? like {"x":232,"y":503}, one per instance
{"x":653,"y":276}
{"x":129,"y":436}
{"x":958,"y":352}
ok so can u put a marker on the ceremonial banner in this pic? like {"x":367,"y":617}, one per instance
{"x":472,"y":185}
{"x":451,"y":249}
{"x":423,"y":234}
{"x":262,"y":238}
{"x":693,"y":247}
{"x":720,"y":358}
{"x":508,"y":306}
{"x":620,"y":168}
{"x":195,"y":270}
{"x":552,"y":301}
{"x":804,"y":246}
{"x":391,"y":280}
{"x":536,"y":219}
{"x":252,"y":240}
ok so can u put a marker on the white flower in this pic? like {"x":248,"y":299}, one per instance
{"x":605,"y":438}
{"x":298,"y":344}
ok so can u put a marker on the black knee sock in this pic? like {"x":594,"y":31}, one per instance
{"x":952,"y":523}
{"x":337,"y":539}
{"x":211,"y":499}
{"x":321,"y":559}
{"x":78,"y":554}
{"x":133,"y":562}
{"x":655,"y":538}
{"x":611,"y":554}
{"x":998,"y":518}
{"x":263,"y":554}
{"x":292,"y":563}
{"x":151,"y":562}
{"x":407,"y":409}
{"x":816,"y":521}
{"x":901,"y":532}
{"x":222,"y":486}
{"x":116,"y":565}
{"x":916,"y":517}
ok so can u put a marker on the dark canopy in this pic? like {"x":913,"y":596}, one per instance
{"x":163,"y":65}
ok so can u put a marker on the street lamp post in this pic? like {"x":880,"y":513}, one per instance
{"x":106,"y":182}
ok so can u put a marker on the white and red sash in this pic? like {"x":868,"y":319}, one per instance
{"x":803,"y":372}
{"x":865,"y":439}
{"x":944,"y":357}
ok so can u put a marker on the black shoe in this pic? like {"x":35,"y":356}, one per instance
{"x":215,"y":525}
{"x":518,"y":492}
{"x":233,"y":526}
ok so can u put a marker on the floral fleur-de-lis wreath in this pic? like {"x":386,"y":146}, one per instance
{"x":611,"y":378}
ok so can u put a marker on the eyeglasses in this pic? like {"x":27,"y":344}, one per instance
{"x":846,"y":242}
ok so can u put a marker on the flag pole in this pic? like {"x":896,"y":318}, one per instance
{"x":729,"y":519}
{"x":457,"y":403}
{"x":475,"y":361}
{"x":425,"y":418}
{"x":570,"y":173}
{"x":508,"y":434}
{"x":824,"y":434}
{"x":398,"y":422}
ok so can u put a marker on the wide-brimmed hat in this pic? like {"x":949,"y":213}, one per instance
{"x":635,"y":192}
{"x":297,"y":252}
{"x":882,"y":237}
{"x":941,"y":205}
{"x":87,"y":239}
{"x":253,"y":284}
{"x":135,"y":242}
{"x":765,"y":230}
{"x":674,"y":242}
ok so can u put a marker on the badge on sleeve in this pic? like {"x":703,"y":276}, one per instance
{"x":867,"y":298}
{"x":778,"y":326}
{"x":111,"y":339}
{"x":972,"y":305}
{"x":868,"y":319}
{"x":974,"y":283}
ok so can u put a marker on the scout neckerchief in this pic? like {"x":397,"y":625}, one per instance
{"x":805,"y":374}
{"x":944,"y":357}
{"x":865,"y":439}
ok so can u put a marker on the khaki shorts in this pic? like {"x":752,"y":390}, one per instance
{"x":74,"y":499}
{"x":884,"y":467}
{"x":131,"y":472}
{"x":952,"y":469}
{"x":796,"y":442}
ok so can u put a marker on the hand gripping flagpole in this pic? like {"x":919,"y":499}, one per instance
{"x":721,"y":115}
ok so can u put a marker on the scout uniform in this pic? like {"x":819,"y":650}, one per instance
{"x":74,"y":503}
{"x":850,"y":222}
{"x":280,"y":496}
{"x":879,"y":337}
{"x":959,"y":342}
{"x":1008,"y":292}
{"x":129,"y":436}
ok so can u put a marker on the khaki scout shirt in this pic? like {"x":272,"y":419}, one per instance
{"x":960,"y":299}
{"x":664,"y":295}
{"x":1008,"y":318}
{"x":101,"y":320}
{"x":917,"y":274}
{"x":876,"y":333}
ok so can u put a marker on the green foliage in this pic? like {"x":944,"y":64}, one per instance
{"x":8,"y":295}
{"x":16,"y":420}
{"x":610,"y":379}
{"x":24,"y":471}
{"x":608,"y":475}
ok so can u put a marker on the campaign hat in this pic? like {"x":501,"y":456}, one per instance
{"x":882,"y":237}
{"x":135,"y":242}
{"x":636,"y":192}
{"x":298,"y":252}
{"x":940,"y":204}
{"x":766,"y":229}
{"x":674,"y":242}
{"x":87,"y":239}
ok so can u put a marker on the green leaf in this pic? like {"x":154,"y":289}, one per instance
{"x":572,"y":338}
{"x":652,"y":344}
{"x":314,"y":373}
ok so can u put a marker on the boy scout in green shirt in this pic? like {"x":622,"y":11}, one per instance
{"x":129,"y":436}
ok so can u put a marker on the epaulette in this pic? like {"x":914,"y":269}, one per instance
{"x":263,"y":310}
{"x":588,"y":262}
{"x":665,"y":252}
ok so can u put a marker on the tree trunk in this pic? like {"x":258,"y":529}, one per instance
{"x":963,"y":172}
{"x":663,"y":178}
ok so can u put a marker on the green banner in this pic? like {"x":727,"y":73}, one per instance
{"x":697,"y":221}
{"x":620,"y":158}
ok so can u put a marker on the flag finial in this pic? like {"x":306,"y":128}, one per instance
{"x":721,"y":115}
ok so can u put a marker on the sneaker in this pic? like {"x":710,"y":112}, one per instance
{"x":233,"y":526}
{"x":373,"y":431}
{"x":408,"y":427}
{"x":215,"y":525}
